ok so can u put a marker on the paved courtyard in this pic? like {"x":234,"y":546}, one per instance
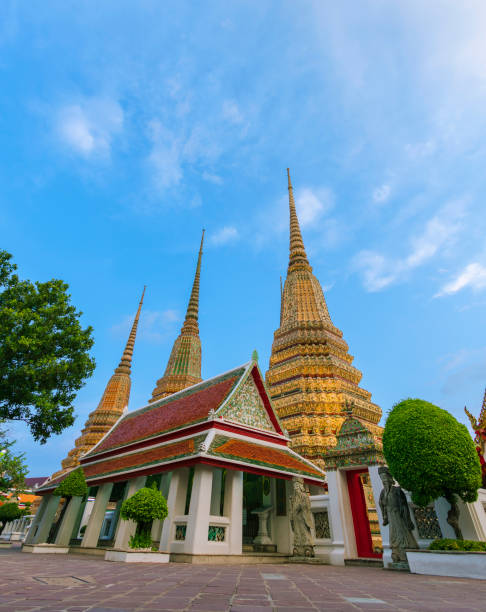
{"x":75,"y":583}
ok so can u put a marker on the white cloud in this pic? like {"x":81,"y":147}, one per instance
{"x":473,"y":276}
{"x":165,"y":157}
{"x":212,"y":178}
{"x":155,"y":325}
{"x":420,"y":150}
{"x":171,"y":152}
{"x":225,"y":235}
{"x":311,"y":204}
{"x":89,"y":126}
{"x":379,"y":271}
{"x":381,"y":194}
{"x":231,"y":112}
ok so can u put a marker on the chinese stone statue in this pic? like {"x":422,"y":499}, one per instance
{"x":301,"y":520}
{"x":396,"y":513}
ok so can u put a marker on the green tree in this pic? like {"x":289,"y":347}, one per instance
{"x":9,"y":512}
{"x":73,"y":485}
{"x":13,"y":468}
{"x":144,"y":507}
{"x":431,"y":455}
{"x":44,"y":352}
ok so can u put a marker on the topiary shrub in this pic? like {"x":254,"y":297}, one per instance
{"x":74,"y":485}
{"x":144,"y":507}
{"x":10,"y":512}
{"x":467,"y":545}
{"x":431,"y":455}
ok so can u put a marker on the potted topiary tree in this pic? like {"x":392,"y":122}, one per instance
{"x":73,"y":489}
{"x":144,"y":507}
{"x":74,"y":485}
{"x":432,"y":455}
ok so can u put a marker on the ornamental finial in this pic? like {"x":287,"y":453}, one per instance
{"x":192,"y":313}
{"x":126,"y":360}
{"x":298,"y":256}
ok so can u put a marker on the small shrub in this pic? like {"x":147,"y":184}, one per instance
{"x":449,"y":544}
{"x":144,"y":507}
{"x":10,"y":512}
{"x":74,"y":485}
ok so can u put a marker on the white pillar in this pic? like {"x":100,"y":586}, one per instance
{"x":125,"y":529}
{"x":164,"y":489}
{"x":377,"y":486}
{"x":472,"y":520}
{"x":233,"y":509}
{"x":216,"y":491}
{"x":342,"y":529}
{"x":47,"y":519}
{"x":93,"y":528}
{"x":37,"y":519}
{"x":176,"y":500}
{"x":66,"y":528}
{"x":198,"y":520}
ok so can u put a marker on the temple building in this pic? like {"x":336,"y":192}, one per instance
{"x":113,"y":403}
{"x":232,"y":454}
{"x":311,"y":378}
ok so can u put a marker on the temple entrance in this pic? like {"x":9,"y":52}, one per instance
{"x":365,"y":518}
{"x":252,"y":499}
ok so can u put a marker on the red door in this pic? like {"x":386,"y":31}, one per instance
{"x":364,"y":543}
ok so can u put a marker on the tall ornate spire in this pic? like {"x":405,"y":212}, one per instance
{"x":192,"y":313}
{"x":297,"y":256}
{"x":112,"y":405}
{"x":124,"y":367}
{"x":184,"y":366}
{"x":310,"y":377}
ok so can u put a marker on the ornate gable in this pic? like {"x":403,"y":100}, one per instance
{"x":356,"y":445}
{"x":246,"y":407}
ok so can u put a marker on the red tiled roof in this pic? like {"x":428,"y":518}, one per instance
{"x":153,"y":455}
{"x":261,"y":455}
{"x":185,"y":409}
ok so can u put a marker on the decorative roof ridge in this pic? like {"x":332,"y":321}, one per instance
{"x":308,"y":461}
{"x":239,"y":384}
{"x":133,"y":451}
{"x":234,"y":435}
{"x":277,"y":418}
{"x":191,"y":389}
{"x":93,"y":448}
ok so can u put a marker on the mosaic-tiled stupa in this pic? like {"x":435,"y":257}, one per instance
{"x":311,"y":376}
{"x":113,"y":403}
{"x":184,"y":367}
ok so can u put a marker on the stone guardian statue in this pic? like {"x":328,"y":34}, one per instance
{"x":396,"y":513}
{"x":301,"y":520}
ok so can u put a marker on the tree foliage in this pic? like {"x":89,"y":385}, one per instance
{"x":10,"y":512}
{"x":145,"y":506}
{"x":44,"y":352}
{"x":73,"y":485}
{"x":430,"y":453}
{"x":13,"y":468}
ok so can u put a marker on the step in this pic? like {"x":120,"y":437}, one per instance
{"x":364,"y":562}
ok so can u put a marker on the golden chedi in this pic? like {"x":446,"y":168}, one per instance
{"x":311,"y":376}
{"x":184,"y":367}
{"x":112,"y":405}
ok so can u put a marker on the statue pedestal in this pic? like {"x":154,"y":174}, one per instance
{"x":262,"y":538}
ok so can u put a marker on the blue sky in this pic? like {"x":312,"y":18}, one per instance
{"x":125,"y":128}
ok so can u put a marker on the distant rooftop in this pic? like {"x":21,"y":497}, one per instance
{"x":34,"y":481}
